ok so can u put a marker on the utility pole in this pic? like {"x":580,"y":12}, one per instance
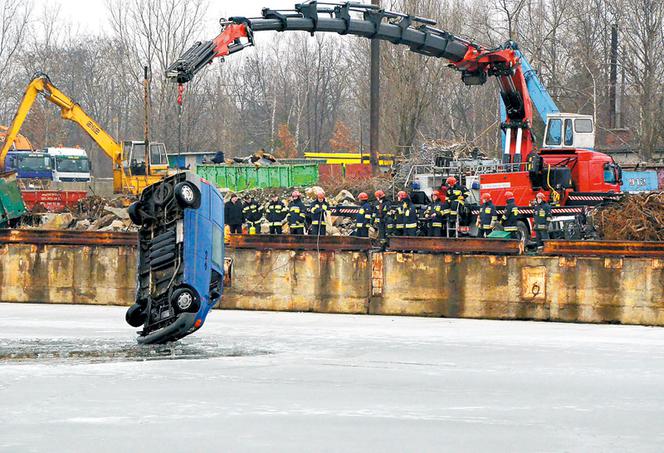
{"x":374,"y":108}
{"x":146,"y":119}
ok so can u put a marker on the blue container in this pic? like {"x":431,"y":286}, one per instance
{"x":639,"y":181}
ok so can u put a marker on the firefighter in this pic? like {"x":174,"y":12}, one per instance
{"x":511,"y":216}
{"x":253,"y":212}
{"x":296,"y":214}
{"x":542,"y":214}
{"x":455,"y":189}
{"x":457,"y":211}
{"x":275,"y":214}
{"x":487,"y":217}
{"x":391,"y":220}
{"x":437,"y":214}
{"x":380,"y":209}
{"x":319,"y":210}
{"x":364,"y":217}
{"x":407,"y":215}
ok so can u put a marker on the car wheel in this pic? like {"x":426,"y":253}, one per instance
{"x":187,"y":195}
{"x":135,"y":316}
{"x":524,"y":232}
{"x":135,"y":213}
{"x":185,"y":300}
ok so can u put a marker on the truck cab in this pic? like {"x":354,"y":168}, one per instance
{"x":69,"y":164}
{"x":180,"y":257}
{"x":134,"y":158}
{"x":29,"y":165}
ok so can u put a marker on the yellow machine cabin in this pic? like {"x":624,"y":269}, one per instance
{"x":133,"y":167}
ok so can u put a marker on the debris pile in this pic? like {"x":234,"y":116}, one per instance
{"x":636,"y":217}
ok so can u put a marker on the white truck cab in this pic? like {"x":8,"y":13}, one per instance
{"x":69,"y":164}
{"x":569,"y":130}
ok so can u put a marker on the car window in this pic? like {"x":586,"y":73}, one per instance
{"x":217,"y":245}
{"x":569,"y":133}
{"x":583,"y":125}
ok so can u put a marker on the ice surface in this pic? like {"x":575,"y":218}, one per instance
{"x":73,"y":379}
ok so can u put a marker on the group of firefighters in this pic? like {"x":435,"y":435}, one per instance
{"x":441,"y":217}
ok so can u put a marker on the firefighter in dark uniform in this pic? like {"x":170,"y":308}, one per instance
{"x":319,"y":210}
{"x":380,"y":209}
{"x":437,"y":215}
{"x":253,"y":212}
{"x":510,"y":216}
{"x":296,"y":214}
{"x":487,"y":217}
{"x":275,"y":214}
{"x":364,"y":217}
{"x":407,"y":215}
{"x":542,"y":215}
{"x":391,"y":219}
{"x":233,"y":216}
{"x":455,"y":189}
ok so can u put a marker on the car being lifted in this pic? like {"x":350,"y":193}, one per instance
{"x":180,"y":257}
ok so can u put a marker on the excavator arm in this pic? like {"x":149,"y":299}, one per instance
{"x":69,"y":110}
{"x":475,"y":62}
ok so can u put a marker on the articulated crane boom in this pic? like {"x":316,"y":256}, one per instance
{"x":475,"y":62}
{"x":130,"y":174}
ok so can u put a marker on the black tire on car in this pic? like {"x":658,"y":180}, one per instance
{"x":187,"y":195}
{"x":135,"y":316}
{"x":185,"y":300}
{"x":162,"y":194}
{"x":135,"y":213}
{"x":523,"y":231}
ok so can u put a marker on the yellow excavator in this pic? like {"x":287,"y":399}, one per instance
{"x":135,"y":166}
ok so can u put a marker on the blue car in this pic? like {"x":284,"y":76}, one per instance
{"x":180,"y":257}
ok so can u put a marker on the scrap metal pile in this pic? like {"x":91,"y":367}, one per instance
{"x":637,"y":217}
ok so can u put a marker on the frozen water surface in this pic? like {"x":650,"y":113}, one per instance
{"x":73,"y":379}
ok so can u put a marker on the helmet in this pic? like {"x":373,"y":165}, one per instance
{"x":296,"y":194}
{"x":437,"y":194}
{"x":540,"y":196}
{"x":379,"y":194}
{"x":509,"y":195}
{"x":320,"y":193}
{"x":451,"y":180}
{"x":486,"y":196}
{"x":363,"y":196}
{"x":401,"y":195}
{"x":416,"y":185}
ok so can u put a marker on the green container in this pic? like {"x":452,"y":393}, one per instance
{"x":244,"y":177}
{"x":11,"y":202}
{"x":304,"y":175}
{"x":500,"y":235}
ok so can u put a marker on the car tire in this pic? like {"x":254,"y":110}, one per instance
{"x":185,"y":300}
{"x":162,"y":194}
{"x":524,"y":232}
{"x":135,"y":316}
{"x":135,"y":214}
{"x":187,"y":195}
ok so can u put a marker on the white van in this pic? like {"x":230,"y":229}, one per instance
{"x":69,"y":164}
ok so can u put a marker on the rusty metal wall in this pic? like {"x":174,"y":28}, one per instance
{"x":67,"y":274}
{"x":580,"y":289}
{"x":588,"y":289}
{"x":285,"y":280}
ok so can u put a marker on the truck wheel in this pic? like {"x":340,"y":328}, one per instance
{"x":187,"y":195}
{"x":185,"y":300}
{"x":135,"y":213}
{"x":135,"y":316}
{"x":524,"y":232}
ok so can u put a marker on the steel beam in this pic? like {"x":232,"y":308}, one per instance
{"x":460,"y":245}
{"x":68,"y":237}
{"x":293,"y":242}
{"x":604,"y":248}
